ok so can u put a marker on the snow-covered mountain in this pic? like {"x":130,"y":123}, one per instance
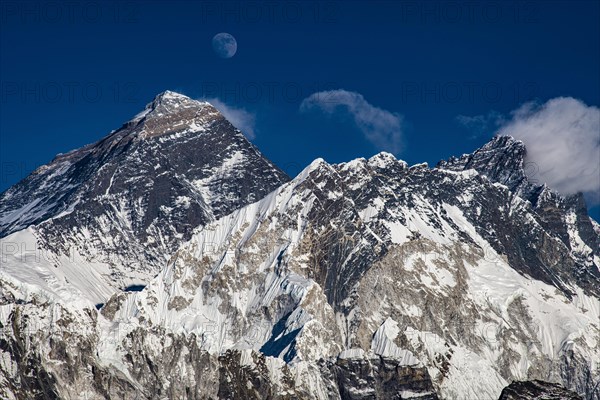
{"x":363,"y":280}
{"x":503,"y":160}
{"x":109,"y":215}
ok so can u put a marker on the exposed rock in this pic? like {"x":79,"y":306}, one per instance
{"x":537,"y":390}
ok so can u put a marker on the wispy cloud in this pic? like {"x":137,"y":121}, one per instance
{"x":562,"y":137}
{"x":242,"y":119}
{"x":381,"y":127}
{"x":482,"y":124}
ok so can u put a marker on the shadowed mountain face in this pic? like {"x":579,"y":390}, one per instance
{"x":537,"y":390}
{"x":367,"y":279}
{"x":130,"y":199}
{"x":503,"y":160}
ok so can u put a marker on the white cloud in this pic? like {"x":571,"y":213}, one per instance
{"x":381,"y":127}
{"x":562,"y":137}
{"x":242,"y":119}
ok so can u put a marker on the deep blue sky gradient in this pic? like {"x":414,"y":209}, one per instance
{"x":72,"y":72}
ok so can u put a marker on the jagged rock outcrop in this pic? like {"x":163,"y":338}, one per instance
{"x":537,"y":390}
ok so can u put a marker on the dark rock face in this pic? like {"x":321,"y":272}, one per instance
{"x":237,"y":381}
{"x":502,"y":160}
{"x":33,"y":381}
{"x":381,"y":378}
{"x":377,"y":379}
{"x":537,"y":390}
{"x":564,"y":219}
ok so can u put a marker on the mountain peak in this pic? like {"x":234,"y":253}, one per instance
{"x":500,"y":144}
{"x":382,"y":159}
{"x":502,"y":160}
{"x":169,"y":97}
{"x":171,"y":112}
{"x":315,"y":165}
{"x":505,"y":144}
{"x":176,"y":147}
{"x":169,"y":94}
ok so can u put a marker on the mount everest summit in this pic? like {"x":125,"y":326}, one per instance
{"x":172,"y":260}
{"x":116,"y":209}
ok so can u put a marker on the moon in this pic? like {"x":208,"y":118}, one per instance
{"x":224,"y":45}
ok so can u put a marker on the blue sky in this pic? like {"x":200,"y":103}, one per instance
{"x":70,"y":73}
